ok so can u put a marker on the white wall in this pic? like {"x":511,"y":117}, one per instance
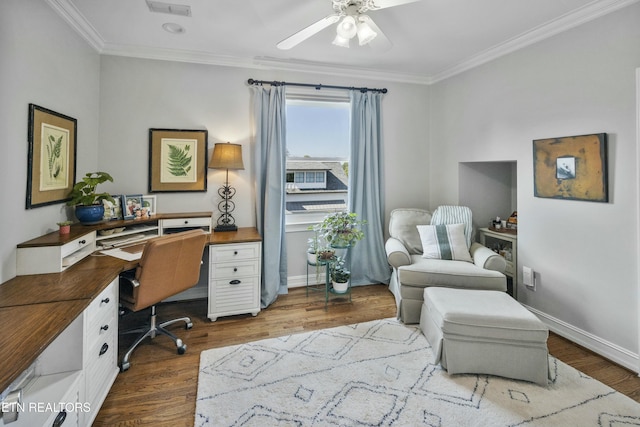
{"x":46,"y":63}
{"x":584,"y":254}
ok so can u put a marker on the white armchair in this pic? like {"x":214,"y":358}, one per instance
{"x":412,"y":273}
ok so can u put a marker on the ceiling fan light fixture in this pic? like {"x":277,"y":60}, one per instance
{"x":348,"y":28}
{"x":341,"y":41}
{"x":365,"y":33}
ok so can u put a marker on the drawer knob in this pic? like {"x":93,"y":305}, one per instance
{"x":104,"y":328}
{"x":235,"y":282}
{"x":104,"y":349}
{"x":235,"y":269}
{"x":186,"y":222}
{"x":235,"y":252}
{"x":59,"y":420}
{"x":106,"y":300}
{"x":82,"y":242}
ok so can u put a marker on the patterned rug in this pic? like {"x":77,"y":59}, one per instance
{"x":378,"y":374}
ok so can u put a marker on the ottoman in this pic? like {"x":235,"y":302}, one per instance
{"x":484,"y":332}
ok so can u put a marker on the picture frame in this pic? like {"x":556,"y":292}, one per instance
{"x":51,"y":159}
{"x":177,"y":160}
{"x":150,"y":204}
{"x":113,"y":211}
{"x":132,"y":206}
{"x":572,"y":168}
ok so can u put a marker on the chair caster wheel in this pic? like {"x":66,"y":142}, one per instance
{"x":182,"y":349}
{"x":189,"y":325}
{"x":124,"y":366}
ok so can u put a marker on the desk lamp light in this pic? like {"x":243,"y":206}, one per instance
{"x":226,"y":156}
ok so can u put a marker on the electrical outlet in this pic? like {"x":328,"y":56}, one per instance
{"x":528,"y":278}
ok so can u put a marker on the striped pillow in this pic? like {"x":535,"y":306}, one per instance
{"x":444,"y":242}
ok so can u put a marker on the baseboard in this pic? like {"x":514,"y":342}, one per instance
{"x":301,"y":281}
{"x":596,"y":344}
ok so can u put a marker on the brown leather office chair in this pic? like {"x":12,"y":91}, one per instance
{"x":168,"y":265}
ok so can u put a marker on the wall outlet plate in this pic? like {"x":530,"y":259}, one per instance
{"x":527,"y":278}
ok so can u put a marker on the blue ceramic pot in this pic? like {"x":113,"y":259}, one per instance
{"x":88,"y":215}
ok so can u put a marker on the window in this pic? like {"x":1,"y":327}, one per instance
{"x":317,"y":156}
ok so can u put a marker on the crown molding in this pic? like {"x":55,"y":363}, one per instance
{"x":78,"y":22}
{"x":338,"y":70}
{"x":589,"y":12}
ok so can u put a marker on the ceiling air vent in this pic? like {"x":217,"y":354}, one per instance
{"x":172,"y":9}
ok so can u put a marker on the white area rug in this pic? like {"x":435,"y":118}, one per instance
{"x":379,"y":374}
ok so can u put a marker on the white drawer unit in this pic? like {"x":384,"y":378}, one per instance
{"x":234,"y":279}
{"x":100,"y":348}
{"x":54,"y":258}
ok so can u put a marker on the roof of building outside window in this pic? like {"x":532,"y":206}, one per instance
{"x":337,"y":179}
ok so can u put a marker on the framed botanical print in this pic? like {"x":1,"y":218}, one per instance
{"x":177,"y":160}
{"x":51,"y":162}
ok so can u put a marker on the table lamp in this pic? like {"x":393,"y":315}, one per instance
{"x":226,"y":156}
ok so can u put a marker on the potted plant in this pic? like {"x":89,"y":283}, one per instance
{"x":341,"y":229}
{"x":340,"y":276}
{"x":65,"y":227}
{"x":312,"y":249}
{"x":88,"y":203}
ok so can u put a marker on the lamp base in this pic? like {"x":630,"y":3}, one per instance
{"x":225,"y":228}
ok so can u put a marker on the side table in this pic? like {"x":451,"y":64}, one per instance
{"x":505,"y":242}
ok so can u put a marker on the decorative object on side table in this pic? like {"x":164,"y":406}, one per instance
{"x":51,"y":165}
{"x":177,"y":160}
{"x":340,"y":276}
{"x":226,"y":156}
{"x":88,"y":203}
{"x":65,"y":227}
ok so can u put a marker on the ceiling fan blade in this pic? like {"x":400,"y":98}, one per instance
{"x":383,"y":4}
{"x":307,"y":32}
{"x":380,"y":42}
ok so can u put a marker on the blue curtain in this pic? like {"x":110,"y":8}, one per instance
{"x":368,"y":258}
{"x":270,"y":164}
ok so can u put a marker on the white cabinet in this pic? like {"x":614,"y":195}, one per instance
{"x":100,"y":348}
{"x":54,"y":258}
{"x":234,"y":279}
{"x":72,"y":376}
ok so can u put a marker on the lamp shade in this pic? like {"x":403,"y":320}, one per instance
{"x":365,"y":33}
{"x":226,"y":156}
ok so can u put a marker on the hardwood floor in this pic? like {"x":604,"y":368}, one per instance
{"x":160,"y":387}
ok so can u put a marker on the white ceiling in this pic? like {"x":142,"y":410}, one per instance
{"x":431,"y":39}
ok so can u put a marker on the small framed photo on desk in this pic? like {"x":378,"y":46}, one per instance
{"x":132,"y":206}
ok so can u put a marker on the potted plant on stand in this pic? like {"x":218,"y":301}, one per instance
{"x":88,"y":203}
{"x":340,"y":276}
{"x":341,"y":229}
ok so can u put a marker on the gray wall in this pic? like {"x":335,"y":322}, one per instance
{"x":585,"y":254}
{"x":138,"y":94}
{"x":46,"y":63}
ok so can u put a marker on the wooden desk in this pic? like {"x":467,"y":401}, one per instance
{"x":36,"y":309}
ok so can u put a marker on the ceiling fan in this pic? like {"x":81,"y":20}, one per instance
{"x":352,"y":22}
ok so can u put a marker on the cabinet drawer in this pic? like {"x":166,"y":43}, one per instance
{"x":100,"y":367}
{"x":106,"y":302}
{"x":235,"y":297}
{"x":88,"y":240}
{"x":230,"y":270}
{"x":186,"y":222}
{"x":226,"y":253}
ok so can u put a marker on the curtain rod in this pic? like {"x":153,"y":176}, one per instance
{"x":317,"y":87}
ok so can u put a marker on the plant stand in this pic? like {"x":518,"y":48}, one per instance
{"x":328,"y":265}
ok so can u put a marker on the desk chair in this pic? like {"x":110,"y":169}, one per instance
{"x":168,"y":265}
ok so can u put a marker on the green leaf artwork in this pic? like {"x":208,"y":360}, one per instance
{"x":179,"y":161}
{"x":54,"y":149}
